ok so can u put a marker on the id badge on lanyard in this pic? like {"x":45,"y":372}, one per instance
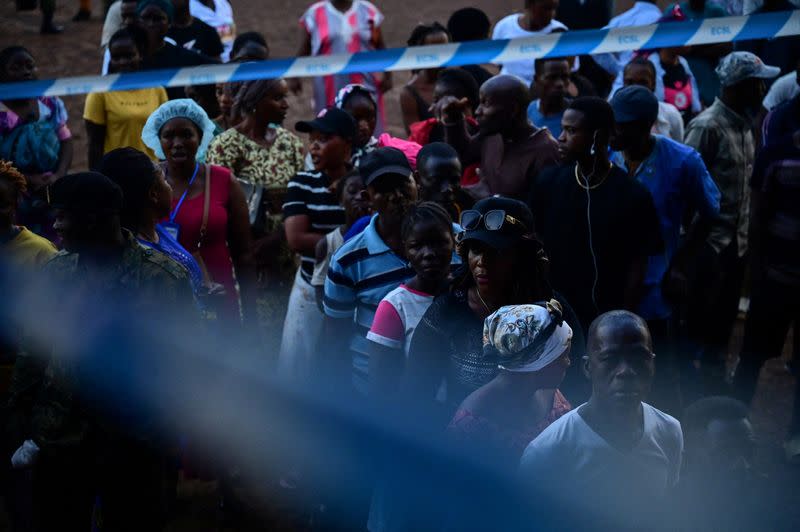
{"x":172,"y":227}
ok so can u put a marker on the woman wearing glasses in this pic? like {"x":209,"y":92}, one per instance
{"x":504,"y":264}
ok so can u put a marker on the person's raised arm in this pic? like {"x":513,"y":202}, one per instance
{"x":409,"y":108}
{"x":449,"y":111}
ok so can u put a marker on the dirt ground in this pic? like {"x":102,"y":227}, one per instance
{"x":77,"y":52}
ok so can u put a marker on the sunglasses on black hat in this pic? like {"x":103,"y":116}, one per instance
{"x":493,"y":220}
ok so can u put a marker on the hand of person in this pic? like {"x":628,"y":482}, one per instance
{"x":450,"y":109}
{"x":295,"y":85}
{"x":26,"y":456}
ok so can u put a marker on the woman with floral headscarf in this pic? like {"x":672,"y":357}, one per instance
{"x":504,"y":264}
{"x":530,"y":345}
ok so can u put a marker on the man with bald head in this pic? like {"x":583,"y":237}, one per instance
{"x":510,"y":150}
{"x":618,"y":450}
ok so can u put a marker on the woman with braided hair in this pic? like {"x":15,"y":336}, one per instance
{"x":262,"y":152}
{"x":259,"y":149}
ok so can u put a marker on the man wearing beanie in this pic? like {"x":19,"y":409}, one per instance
{"x":79,"y":444}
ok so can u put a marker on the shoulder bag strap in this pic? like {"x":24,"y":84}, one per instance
{"x":208,"y":282}
{"x":206,"y":206}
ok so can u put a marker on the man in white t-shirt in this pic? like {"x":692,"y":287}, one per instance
{"x":641,"y":14}
{"x":219,"y":15}
{"x":619,"y":453}
{"x":537,"y":19}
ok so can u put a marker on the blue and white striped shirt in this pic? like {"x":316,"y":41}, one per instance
{"x":362,"y":272}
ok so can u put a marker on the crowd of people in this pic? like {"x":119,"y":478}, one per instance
{"x":536,"y":287}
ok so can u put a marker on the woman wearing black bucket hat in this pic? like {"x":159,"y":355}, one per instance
{"x":503,"y":264}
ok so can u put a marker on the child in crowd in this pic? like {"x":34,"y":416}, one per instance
{"x":359,"y":102}
{"x":350,"y":192}
{"x":675,"y":82}
{"x":311,"y":210}
{"x":438,"y":177}
{"x":427,"y":233}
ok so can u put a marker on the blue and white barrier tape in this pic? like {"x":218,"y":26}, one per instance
{"x":708,"y":31}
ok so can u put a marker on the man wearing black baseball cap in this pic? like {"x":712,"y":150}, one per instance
{"x":332,"y":121}
{"x":311,"y":211}
{"x":371,"y":264}
{"x":102,"y":267}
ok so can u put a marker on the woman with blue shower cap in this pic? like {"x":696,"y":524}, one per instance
{"x":209,"y":214}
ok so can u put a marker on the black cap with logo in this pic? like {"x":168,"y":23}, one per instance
{"x":382,"y":162}
{"x":332,"y":121}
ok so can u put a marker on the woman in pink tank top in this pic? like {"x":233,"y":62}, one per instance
{"x":180,"y":131}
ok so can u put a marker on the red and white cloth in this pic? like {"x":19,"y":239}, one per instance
{"x":397,"y":317}
{"x":334,"y":32}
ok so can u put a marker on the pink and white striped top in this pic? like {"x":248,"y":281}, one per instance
{"x":335,"y":32}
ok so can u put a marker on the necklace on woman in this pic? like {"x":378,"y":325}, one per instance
{"x":478,"y":292}
{"x":583,"y":184}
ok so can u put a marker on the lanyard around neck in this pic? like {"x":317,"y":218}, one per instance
{"x":183,"y":196}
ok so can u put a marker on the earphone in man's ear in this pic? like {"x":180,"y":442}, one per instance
{"x":594,"y":143}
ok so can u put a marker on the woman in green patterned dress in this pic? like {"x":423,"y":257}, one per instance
{"x":259,"y":150}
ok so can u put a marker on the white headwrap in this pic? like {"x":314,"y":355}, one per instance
{"x":526,"y":338}
{"x":182,"y":108}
